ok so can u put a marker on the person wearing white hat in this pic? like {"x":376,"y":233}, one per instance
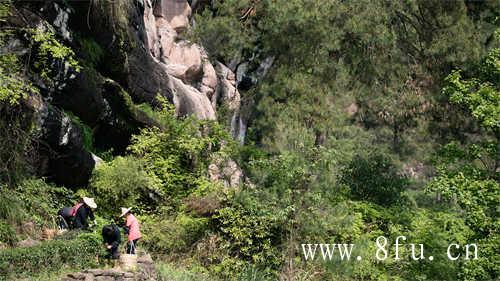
{"x":132,"y":229}
{"x":83,"y":211}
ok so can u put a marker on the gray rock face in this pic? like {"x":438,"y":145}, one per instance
{"x":188,"y":100}
{"x":228,"y":172}
{"x":63,"y":158}
{"x":122,"y":119}
{"x":183,"y":62}
{"x":147,"y":78}
{"x":150,"y":59}
{"x":60,"y":154}
{"x":209,"y":80}
{"x":107,"y":109}
{"x":144,"y":58}
{"x":101,"y":104}
{"x":176,"y":12}
{"x":85,"y":89}
{"x":61,"y":21}
{"x":227,"y":95}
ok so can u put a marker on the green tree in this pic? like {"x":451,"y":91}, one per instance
{"x":374,"y":178}
{"x":468,"y":173}
{"x":179,"y":152}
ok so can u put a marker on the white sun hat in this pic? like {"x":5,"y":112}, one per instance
{"x":90,"y":202}
{"x":125,"y":211}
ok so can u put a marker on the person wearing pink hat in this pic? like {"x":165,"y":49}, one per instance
{"x":132,"y":229}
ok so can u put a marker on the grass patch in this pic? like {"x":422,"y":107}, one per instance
{"x":169,"y":272}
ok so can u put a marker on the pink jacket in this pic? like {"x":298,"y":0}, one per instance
{"x":75,"y":209}
{"x":134,"y":231}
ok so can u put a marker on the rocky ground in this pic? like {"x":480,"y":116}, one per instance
{"x":145,"y":272}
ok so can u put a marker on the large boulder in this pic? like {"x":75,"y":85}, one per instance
{"x":147,"y":78}
{"x":83,"y":97}
{"x":227,"y":91}
{"x":183,"y":59}
{"x":164,"y":36}
{"x":176,"y":12}
{"x":228,"y":172}
{"x":185,"y":56}
{"x":189,"y":101}
{"x":123,"y":119}
{"x":209,"y":79}
{"x":105,"y":107}
{"x":62,"y":157}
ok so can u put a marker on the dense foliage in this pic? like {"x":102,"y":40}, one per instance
{"x":374,"y":179}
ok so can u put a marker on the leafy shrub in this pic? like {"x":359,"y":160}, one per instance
{"x":374,"y":178}
{"x":7,"y":234}
{"x":50,"y":52}
{"x":121,"y":183}
{"x":178,"y":154}
{"x":12,"y":87}
{"x":435,"y":230}
{"x":487,"y":267}
{"x":478,"y":198}
{"x":467,"y":172}
{"x":23,"y":203}
{"x":11,"y":209}
{"x":41,"y":209}
{"x":480,"y":95}
{"x":251,"y":272}
{"x":50,"y":256}
{"x":169,"y":236}
{"x":251,"y":233}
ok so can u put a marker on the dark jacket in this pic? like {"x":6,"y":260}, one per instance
{"x":65,"y":212}
{"x":82,"y":215}
{"x":112,"y":237}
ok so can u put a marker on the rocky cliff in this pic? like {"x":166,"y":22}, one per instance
{"x":129,"y":52}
